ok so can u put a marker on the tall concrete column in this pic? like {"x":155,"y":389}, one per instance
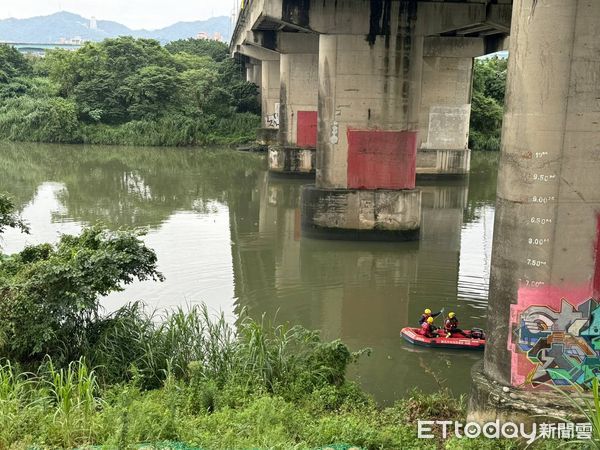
{"x":254,"y":75}
{"x":296,"y":149}
{"x":544,"y":321}
{"x":270,"y":87}
{"x":446,"y":105}
{"x":369,"y":99}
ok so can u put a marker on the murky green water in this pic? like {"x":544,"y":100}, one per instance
{"x":228,"y":234}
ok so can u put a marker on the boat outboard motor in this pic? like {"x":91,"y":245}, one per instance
{"x":477,"y":333}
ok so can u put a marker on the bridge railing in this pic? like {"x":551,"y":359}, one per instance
{"x":242,"y":17}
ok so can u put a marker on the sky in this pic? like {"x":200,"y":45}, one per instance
{"x":136,"y":14}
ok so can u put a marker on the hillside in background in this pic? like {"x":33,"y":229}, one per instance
{"x":65,"y":25}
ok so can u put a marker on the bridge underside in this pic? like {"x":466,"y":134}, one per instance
{"x":392,"y":100}
{"x":365,"y":96}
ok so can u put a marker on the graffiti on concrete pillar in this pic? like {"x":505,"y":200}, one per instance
{"x":273,"y":119}
{"x":556,"y":341}
{"x":335,"y":130}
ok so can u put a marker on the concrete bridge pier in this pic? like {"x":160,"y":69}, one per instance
{"x":270,"y":86}
{"x":254,"y":75}
{"x":543,"y":314}
{"x":369,"y":97}
{"x":446,"y":105}
{"x":295,"y":152}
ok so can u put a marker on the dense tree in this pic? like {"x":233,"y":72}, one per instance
{"x":217,"y":51}
{"x":150,"y":91}
{"x":129,"y":91}
{"x":12,"y":64}
{"x":487,"y":107}
{"x":49,"y":295}
{"x":8,"y":216}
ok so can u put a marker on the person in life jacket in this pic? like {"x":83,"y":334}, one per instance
{"x":451,"y":325}
{"x":427,"y":328}
{"x":426,"y":315}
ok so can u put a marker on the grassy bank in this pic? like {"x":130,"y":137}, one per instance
{"x":72,"y":377}
{"x":196,"y":381}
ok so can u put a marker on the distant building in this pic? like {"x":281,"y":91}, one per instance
{"x":72,"y":41}
{"x":203,"y":35}
{"x":93,"y":23}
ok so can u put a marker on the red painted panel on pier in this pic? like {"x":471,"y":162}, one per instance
{"x":307,"y":129}
{"x":382,"y":159}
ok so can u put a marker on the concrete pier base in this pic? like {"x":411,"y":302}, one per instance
{"x":369,"y":215}
{"x":491,"y":401}
{"x":266,"y":136}
{"x":440,"y":163}
{"x":292,"y":161}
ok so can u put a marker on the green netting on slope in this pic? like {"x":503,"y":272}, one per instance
{"x":154,"y":446}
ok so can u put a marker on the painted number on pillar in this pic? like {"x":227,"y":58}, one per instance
{"x":542,"y":200}
{"x":538,"y":241}
{"x":540,"y":220}
{"x":532,"y":283}
{"x":536,"y":263}
{"x":536,"y":155}
{"x":543,"y":178}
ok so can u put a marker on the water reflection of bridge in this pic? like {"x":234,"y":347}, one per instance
{"x":359,"y":292}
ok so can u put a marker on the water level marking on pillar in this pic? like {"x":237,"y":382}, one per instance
{"x":543,"y":178}
{"x":538,"y":242}
{"x":541,"y":220}
{"x":543,"y":199}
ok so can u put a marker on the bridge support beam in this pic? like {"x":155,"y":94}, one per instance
{"x":446,"y":105}
{"x":270,"y":86}
{"x":295,"y":153}
{"x":254,"y":75}
{"x":544,"y":310}
{"x":369,"y":97}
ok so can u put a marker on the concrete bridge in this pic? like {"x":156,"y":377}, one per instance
{"x":40,"y":48}
{"x":369,"y":93}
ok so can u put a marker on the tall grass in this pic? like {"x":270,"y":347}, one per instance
{"x":60,"y":402}
{"x":72,"y":394}
{"x":192,"y":343}
{"x":584,"y":406}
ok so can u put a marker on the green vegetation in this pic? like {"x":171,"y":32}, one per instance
{"x":134,"y":92}
{"x":487,"y":107}
{"x":127,"y":91}
{"x":71,"y":377}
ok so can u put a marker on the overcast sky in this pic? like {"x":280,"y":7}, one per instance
{"x":133,"y":13}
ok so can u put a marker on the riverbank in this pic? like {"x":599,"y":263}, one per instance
{"x":191,"y":381}
{"x":66,"y":411}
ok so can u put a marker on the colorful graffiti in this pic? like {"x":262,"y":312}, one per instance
{"x":558,"y":343}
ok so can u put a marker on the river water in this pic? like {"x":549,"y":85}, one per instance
{"x":228,"y":234}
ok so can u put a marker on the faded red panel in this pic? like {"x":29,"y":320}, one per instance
{"x":382,"y":159}
{"x":307,"y":129}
